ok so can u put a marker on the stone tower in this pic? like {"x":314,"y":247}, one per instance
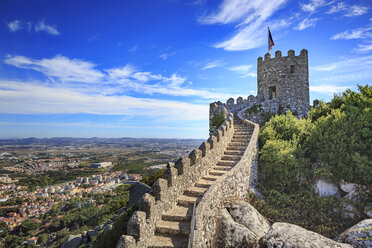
{"x":285,"y":78}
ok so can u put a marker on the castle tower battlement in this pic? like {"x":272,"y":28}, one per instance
{"x":285,"y":78}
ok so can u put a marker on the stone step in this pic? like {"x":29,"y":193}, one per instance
{"x":222,"y":168}
{"x":244,"y":140}
{"x":216,"y":172}
{"x":195,"y":191}
{"x":169,"y":241}
{"x":187,"y":201}
{"x":238,"y":143}
{"x":234,"y":152}
{"x":204,"y":183}
{"x":226,"y":163}
{"x":242,"y":133}
{"x":210,"y":178}
{"x":173,"y":227}
{"x":238,"y":136}
{"x":236,"y":148}
{"x":178,"y":213}
{"x":231,"y":157}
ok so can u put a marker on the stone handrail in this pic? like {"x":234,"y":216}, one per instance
{"x":233,"y":184}
{"x":178,"y":177}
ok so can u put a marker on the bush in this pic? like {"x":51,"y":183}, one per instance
{"x":285,"y":127}
{"x":217,"y":120}
{"x":280,"y":168}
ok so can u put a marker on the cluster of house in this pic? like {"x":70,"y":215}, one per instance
{"x":42,"y":200}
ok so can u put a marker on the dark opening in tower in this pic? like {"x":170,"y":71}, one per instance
{"x":272,"y":92}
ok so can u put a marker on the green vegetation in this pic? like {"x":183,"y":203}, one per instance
{"x":217,"y":120}
{"x":110,"y":238}
{"x":54,"y":177}
{"x":137,"y":166}
{"x":334,"y":143}
{"x":151,"y":178}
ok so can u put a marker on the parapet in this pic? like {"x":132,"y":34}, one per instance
{"x":278,"y":55}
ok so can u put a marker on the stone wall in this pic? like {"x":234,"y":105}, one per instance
{"x":233,"y":184}
{"x":289,"y":76}
{"x":178,"y":177}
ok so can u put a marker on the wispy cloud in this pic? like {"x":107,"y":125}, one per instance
{"x":329,"y":67}
{"x":250,"y":16}
{"x":313,"y":5}
{"x":42,"y":26}
{"x":15,"y":25}
{"x":33,"y":98}
{"x":359,"y":33}
{"x":165,"y":56}
{"x":363,"y":48}
{"x":213,"y":64}
{"x":117,"y":80}
{"x":306,"y":23}
{"x":133,"y":50}
{"x":59,"y":67}
{"x":331,"y":89}
{"x":244,"y":70}
{"x":349,"y":11}
{"x":346,"y":70}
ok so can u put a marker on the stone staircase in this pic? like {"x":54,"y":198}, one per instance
{"x":173,"y":229}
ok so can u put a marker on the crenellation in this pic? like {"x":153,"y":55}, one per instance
{"x":278,"y":54}
{"x":171,"y":174}
{"x":159,"y":189}
{"x":239,"y":100}
{"x":230,"y":101}
{"x":267,"y":56}
{"x":291,"y":53}
{"x":147,"y":205}
{"x":195,"y":156}
{"x":205,"y":148}
{"x":182,"y":164}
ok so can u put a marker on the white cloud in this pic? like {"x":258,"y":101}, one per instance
{"x":329,"y":67}
{"x":244,"y":70}
{"x":337,"y":8}
{"x":42,"y":26}
{"x":363,"y":48}
{"x":312,"y":5}
{"x":15,"y":25}
{"x":359,"y":33}
{"x":356,"y":10}
{"x":165,"y":56}
{"x":113,"y":80}
{"x":327,"y":88}
{"x":133,"y":50}
{"x":32,"y":98}
{"x":213,"y":64}
{"x":251,"y":17}
{"x":59,"y":67}
{"x":306,"y":23}
{"x":349,"y":11}
{"x":346,"y":70}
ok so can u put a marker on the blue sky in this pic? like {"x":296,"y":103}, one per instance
{"x":151,"y":68}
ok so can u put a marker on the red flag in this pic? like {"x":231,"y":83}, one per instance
{"x":270,"y":42}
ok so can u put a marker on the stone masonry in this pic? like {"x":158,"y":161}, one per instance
{"x":282,"y":85}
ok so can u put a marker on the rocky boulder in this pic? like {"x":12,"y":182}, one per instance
{"x":326,"y":188}
{"x":231,"y":234}
{"x":359,"y":236}
{"x":243,"y":213}
{"x":72,"y":241}
{"x":285,"y":235}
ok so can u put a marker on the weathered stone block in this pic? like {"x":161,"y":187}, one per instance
{"x":170,"y":174}
{"x":159,"y":189}
{"x":205,"y":147}
{"x":182,"y":165}
{"x":195,"y":156}
{"x":136,"y":225}
{"x":147,"y":205}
